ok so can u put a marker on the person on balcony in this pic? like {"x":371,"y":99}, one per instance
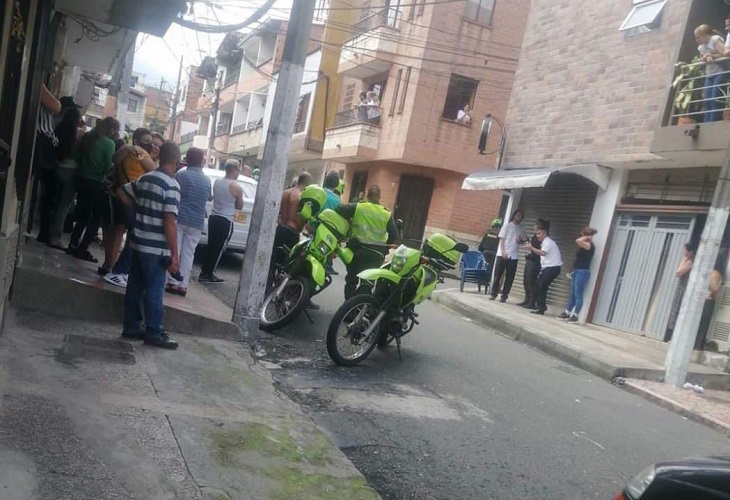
{"x":373,"y":107}
{"x":362,"y":108}
{"x":712,"y":47}
{"x":581,"y":274}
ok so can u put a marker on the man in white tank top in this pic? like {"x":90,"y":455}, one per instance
{"x":227,"y":198}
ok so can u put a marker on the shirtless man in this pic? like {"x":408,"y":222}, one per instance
{"x":290,"y":224}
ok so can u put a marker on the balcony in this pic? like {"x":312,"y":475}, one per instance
{"x":696,"y":126}
{"x":246,"y":138}
{"x":370,"y":51}
{"x":355,"y":136}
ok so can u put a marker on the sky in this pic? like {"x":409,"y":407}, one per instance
{"x":159,"y":58}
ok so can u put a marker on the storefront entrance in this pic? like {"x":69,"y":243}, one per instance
{"x":638,"y":286}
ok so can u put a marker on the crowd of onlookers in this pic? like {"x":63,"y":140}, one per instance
{"x":137,"y":189}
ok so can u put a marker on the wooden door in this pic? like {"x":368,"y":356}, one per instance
{"x":412,"y":204}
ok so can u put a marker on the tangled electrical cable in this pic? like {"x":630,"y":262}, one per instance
{"x":91,"y":31}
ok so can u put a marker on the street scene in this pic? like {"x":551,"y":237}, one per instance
{"x":324,"y":249}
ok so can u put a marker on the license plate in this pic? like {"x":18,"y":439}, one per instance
{"x":240,"y":218}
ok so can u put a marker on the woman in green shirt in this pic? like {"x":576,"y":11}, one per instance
{"x":94,"y":161}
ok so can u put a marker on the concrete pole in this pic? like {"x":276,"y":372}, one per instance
{"x":212,"y":126}
{"x":175,"y":101}
{"x":690,"y":313}
{"x":125,"y":81}
{"x":255,"y":269}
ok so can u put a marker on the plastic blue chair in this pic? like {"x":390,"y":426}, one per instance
{"x":474,"y":269}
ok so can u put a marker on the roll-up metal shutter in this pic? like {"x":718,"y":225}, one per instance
{"x":567,"y":202}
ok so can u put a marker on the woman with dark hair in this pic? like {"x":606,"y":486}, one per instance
{"x":94,"y":159}
{"x":580,"y":275}
{"x":68,"y":132}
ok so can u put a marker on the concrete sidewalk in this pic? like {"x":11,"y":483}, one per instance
{"x":51,"y":281}
{"x":84,"y":415}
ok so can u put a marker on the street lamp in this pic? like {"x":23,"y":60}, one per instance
{"x":487,"y":123}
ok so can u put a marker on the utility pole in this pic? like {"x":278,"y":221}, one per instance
{"x":175,"y":102}
{"x":212,"y":129}
{"x":690,"y":313}
{"x":157,"y":107}
{"x":255,"y":269}
{"x":124,"y":80}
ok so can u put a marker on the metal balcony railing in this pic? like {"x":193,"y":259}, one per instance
{"x":389,"y":16}
{"x":696,"y":98}
{"x":365,"y":114}
{"x":184,"y":139}
{"x":249,"y":126}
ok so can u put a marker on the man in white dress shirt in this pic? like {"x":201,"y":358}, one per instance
{"x":551,"y":262}
{"x":511,"y":237}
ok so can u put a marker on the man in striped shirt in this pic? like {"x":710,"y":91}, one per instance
{"x":156,"y":198}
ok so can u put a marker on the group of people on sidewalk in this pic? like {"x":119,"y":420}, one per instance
{"x":543,"y":264}
{"x":138,"y":189}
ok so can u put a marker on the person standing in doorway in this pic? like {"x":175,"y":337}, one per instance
{"x":511,"y":237}
{"x":581,"y":274}
{"x":532,"y":270}
{"x":156,"y":198}
{"x":227,"y":198}
{"x":490,"y":242}
{"x":551,"y":262}
{"x":195,"y":191}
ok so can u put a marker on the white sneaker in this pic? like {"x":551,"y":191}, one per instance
{"x":116,"y":279}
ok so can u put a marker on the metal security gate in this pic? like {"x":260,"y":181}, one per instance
{"x":639,"y":282}
{"x":567,"y":202}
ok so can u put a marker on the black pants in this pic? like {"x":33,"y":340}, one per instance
{"x":364,"y":258}
{"x":90,"y":200}
{"x":44,"y":168}
{"x":220,"y":231}
{"x":544,"y":280}
{"x":529,"y":280}
{"x":501,"y":266}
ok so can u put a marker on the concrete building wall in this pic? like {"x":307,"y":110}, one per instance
{"x":585,"y":93}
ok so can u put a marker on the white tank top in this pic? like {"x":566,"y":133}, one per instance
{"x":224,"y":204}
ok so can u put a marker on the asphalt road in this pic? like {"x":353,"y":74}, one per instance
{"x":468,"y":414}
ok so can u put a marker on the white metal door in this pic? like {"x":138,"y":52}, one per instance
{"x":639,"y":282}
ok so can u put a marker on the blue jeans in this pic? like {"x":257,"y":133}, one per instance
{"x":145,"y":288}
{"x":577,"y":287}
{"x":714,"y":99}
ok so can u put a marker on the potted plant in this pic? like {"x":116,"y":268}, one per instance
{"x":687,"y":97}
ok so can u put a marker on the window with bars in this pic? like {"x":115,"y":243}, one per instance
{"x":480,"y":11}
{"x":132,"y":105}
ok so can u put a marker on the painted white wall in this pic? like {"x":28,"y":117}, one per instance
{"x":604,"y":210}
{"x":135,"y":118}
{"x":187,"y":127}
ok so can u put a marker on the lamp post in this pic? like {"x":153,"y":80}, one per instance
{"x":487,"y":124}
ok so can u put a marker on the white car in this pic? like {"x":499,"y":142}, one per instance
{"x":241,"y":218}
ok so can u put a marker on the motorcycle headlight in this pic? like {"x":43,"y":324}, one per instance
{"x":397,"y":263}
{"x":641,"y":482}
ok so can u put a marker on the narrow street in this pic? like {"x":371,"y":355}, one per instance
{"x":470,"y":414}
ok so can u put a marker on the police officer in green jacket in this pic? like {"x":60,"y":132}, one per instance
{"x":372,"y":229}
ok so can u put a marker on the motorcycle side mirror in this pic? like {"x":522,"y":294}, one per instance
{"x":399,"y":223}
{"x":461,"y":247}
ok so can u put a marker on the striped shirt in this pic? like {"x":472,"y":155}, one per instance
{"x":155,"y":194}
{"x":195,"y":191}
{"x":45,"y":125}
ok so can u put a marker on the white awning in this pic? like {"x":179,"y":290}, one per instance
{"x":487,"y":180}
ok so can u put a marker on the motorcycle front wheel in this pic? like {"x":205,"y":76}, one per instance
{"x":283,"y":304}
{"x":347,"y":343}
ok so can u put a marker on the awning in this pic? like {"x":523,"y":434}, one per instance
{"x":487,"y":180}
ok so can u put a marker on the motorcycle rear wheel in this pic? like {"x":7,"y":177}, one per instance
{"x":345,"y":345}
{"x":280,"y":309}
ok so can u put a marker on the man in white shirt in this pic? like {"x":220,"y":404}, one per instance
{"x":511,"y":237}
{"x":550,"y":261}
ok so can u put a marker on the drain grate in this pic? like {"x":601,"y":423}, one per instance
{"x":78,"y":347}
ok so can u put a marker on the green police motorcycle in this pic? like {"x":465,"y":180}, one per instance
{"x":298,"y":273}
{"x":384,"y":311}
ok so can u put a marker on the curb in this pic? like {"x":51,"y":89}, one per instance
{"x":566,"y":353}
{"x":34,"y":289}
{"x":672,"y":405}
